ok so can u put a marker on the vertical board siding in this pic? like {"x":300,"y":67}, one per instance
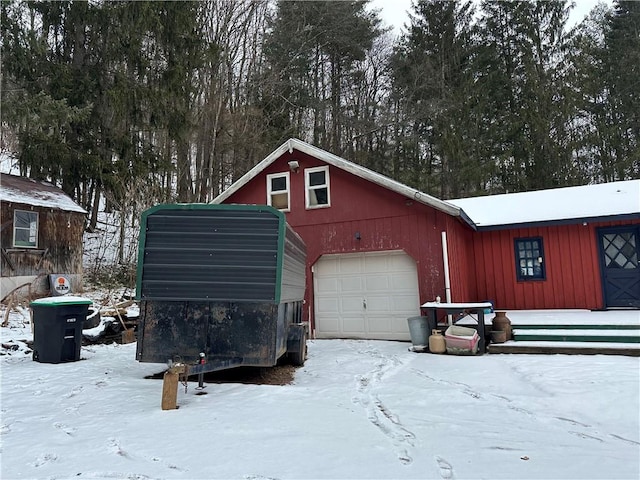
{"x":573,"y":277}
{"x":59,"y":248}
{"x":461,"y":264}
{"x":482,"y":264}
{"x":385,"y":220}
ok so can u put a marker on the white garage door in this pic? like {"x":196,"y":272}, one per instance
{"x":365,"y":295}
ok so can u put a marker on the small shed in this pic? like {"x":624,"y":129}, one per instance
{"x":41,"y":235}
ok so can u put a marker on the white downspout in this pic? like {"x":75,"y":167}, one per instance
{"x":447,"y":281}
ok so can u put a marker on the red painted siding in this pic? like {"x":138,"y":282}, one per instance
{"x":384,"y":219}
{"x":482,"y":264}
{"x":461,"y":271}
{"x":573,"y":277}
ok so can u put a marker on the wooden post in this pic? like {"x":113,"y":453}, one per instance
{"x":170,"y":389}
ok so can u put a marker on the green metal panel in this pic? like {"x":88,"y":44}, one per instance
{"x":212,"y":252}
{"x":280,"y":261}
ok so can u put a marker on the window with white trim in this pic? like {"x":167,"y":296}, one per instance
{"x":278,"y":191}
{"x":25,"y":229}
{"x":316,"y":181}
{"x":529,"y":259}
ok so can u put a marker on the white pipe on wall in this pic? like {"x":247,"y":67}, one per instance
{"x":445,"y":257}
{"x":447,"y":280}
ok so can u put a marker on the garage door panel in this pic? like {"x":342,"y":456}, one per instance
{"x":329,"y":266}
{"x":376,"y":263}
{"x":328,"y":305}
{"x":403,"y":281}
{"x":378,"y":303}
{"x":353,"y":325}
{"x":377,"y":283}
{"x":350,"y":304}
{"x":403,"y":303}
{"x":350,"y":284}
{"x":331,"y":328}
{"x":399,"y":324}
{"x":379,"y":324}
{"x":374,"y":293}
{"x":349,"y":265}
{"x":401,"y":263}
{"x":327,"y":285}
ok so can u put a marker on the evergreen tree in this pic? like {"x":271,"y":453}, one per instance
{"x":48,"y":90}
{"x":434,"y":80}
{"x":116,"y":82}
{"x":622,"y":87}
{"x":523,"y":76}
{"x":590,"y":123}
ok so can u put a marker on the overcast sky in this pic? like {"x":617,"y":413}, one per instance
{"x":394,"y":12}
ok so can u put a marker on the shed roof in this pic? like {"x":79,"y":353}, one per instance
{"x":338,"y":162}
{"x":605,"y":201}
{"x":27,"y":191}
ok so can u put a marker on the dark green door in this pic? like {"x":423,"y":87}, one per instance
{"x":619,"y":260}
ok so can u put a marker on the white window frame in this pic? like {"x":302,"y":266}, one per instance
{"x":33,"y":229}
{"x":308,"y":187}
{"x":288,"y":189}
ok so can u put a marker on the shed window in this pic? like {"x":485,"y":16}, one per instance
{"x":529,"y":259}
{"x":278,"y":191}
{"x":317,"y":187}
{"x":25,"y":229}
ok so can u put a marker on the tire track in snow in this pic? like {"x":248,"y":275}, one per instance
{"x":377,"y":412}
{"x":587,"y":433}
{"x":466,"y":389}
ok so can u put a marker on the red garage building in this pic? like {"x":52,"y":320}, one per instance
{"x":377,"y":249}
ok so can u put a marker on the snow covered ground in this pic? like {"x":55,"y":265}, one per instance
{"x":357,"y":409}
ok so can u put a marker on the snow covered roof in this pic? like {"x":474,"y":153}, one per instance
{"x":338,"y":162}
{"x":27,"y":191}
{"x":559,"y":205}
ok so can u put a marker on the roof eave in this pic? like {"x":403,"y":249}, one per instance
{"x":52,"y":206}
{"x":560,"y":222}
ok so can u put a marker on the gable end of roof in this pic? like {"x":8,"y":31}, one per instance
{"x":338,"y":162}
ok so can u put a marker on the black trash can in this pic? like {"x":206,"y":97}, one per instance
{"x":57,"y":328}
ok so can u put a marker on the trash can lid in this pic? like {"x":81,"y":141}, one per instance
{"x":62,"y":300}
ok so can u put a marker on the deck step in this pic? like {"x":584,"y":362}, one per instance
{"x":573,"y":332}
{"x":577,"y":326}
{"x":603,"y":334}
{"x":566,"y":348}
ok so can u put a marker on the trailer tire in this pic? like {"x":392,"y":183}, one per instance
{"x":297,"y":347}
